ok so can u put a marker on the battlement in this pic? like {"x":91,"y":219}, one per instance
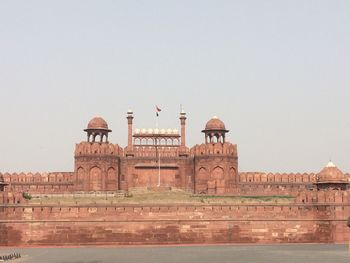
{"x":214,"y":149}
{"x":17,"y":183}
{"x":87,"y":148}
{"x":258,"y":177}
{"x":37,"y":178}
{"x":319,"y":197}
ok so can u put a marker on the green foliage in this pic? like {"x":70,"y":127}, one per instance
{"x":245,"y":197}
{"x":26,"y":196}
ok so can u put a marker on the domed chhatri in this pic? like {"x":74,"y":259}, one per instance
{"x":98,"y":123}
{"x":97,"y":127}
{"x":331,"y":177}
{"x":215,"y":124}
{"x":215,"y":131}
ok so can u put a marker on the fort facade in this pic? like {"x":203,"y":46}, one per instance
{"x":159,"y":159}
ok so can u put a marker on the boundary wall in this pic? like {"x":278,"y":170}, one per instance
{"x":173,"y":224}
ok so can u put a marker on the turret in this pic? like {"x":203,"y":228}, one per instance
{"x":97,"y":160}
{"x":331,"y":177}
{"x":97,"y":127}
{"x":215,"y":131}
{"x":216,"y":161}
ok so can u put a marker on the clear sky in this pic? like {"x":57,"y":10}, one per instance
{"x":276,"y":72}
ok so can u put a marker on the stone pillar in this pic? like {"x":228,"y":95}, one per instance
{"x":130,"y":118}
{"x":183,"y":128}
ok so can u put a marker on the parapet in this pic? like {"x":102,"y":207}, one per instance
{"x":214,"y":149}
{"x":258,"y":177}
{"x":86,"y":148}
{"x":36,"y":178}
{"x":329,"y":196}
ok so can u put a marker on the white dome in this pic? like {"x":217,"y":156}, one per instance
{"x":330,"y":164}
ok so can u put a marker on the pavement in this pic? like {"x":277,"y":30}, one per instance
{"x":286,"y":253}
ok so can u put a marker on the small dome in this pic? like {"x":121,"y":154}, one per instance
{"x":98,"y":123}
{"x":331,"y":173}
{"x":215,"y":124}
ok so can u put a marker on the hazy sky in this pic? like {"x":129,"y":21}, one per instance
{"x":276,"y":72}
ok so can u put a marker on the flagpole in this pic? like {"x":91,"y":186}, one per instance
{"x":157,"y":145}
{"x":158,"y":168}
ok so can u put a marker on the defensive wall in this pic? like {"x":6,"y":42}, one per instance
{"x":160,"y":159}
{"x":249,"y":183}
{"x":313,"y":217}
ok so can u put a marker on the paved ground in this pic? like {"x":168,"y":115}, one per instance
{"x":183,"y":254}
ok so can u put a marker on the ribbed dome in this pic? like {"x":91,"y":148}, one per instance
{"x":215,"y":124}
{"x":98,"y":123}
{"x":331,"y":173}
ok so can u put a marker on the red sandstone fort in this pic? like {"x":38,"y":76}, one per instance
{"x":160,"y":160}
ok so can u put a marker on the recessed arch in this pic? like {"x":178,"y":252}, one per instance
{"x":218,"y":173}
{"x":95,"y":178}
{"x":111,"y":175}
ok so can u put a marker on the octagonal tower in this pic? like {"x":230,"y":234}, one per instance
{"x":216,"y":161}
{"x":97,"y":160}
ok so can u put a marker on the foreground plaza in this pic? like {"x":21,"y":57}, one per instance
{"x":320,"y":253}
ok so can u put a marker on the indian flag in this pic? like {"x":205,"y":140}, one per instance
{"x":158,"y":110}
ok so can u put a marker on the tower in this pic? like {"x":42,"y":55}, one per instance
{"x":216,"y":161}
{"x":331,"y":177}
{"x":97,"y":160}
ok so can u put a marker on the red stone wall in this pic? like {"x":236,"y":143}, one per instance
{"x":215,"y":168}
{"x":22,"y":225}
{"x":143,"y":172}
{"x":97,"y":166}
{"x":58,"y":182}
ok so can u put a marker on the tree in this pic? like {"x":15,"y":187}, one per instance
{"x":26,"y":196}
